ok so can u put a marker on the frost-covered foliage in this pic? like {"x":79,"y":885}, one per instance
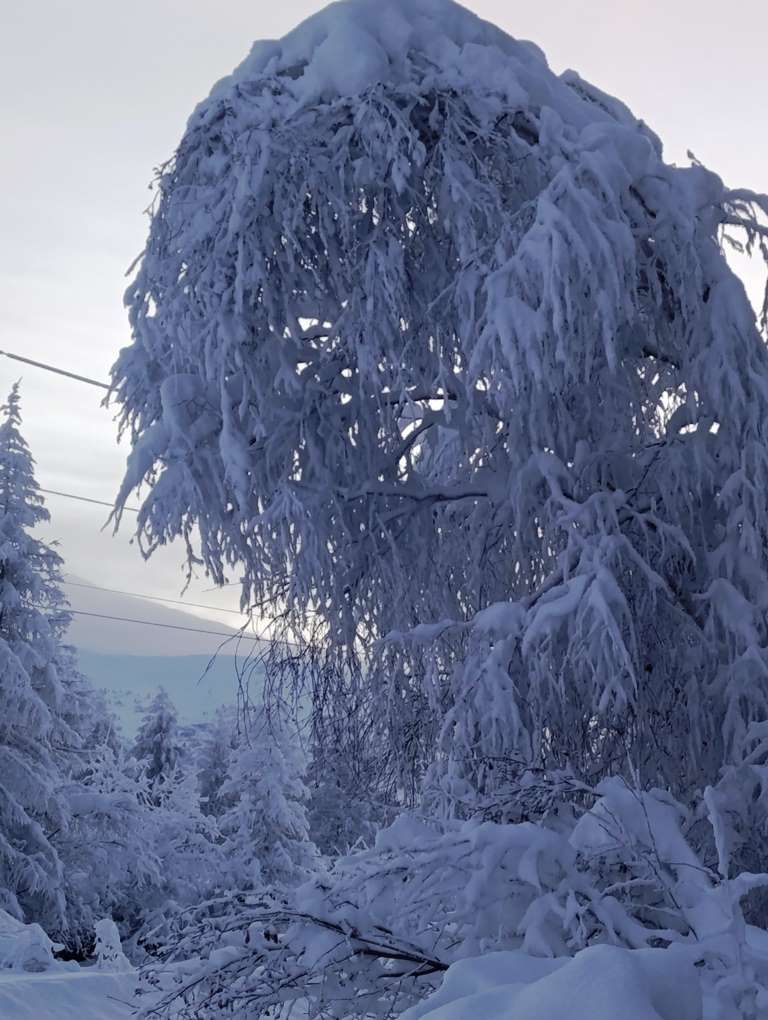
{"x":266,"y":830}
{"x":111,"y":859}
{"x":434,"y":350}
{"x":36,"y":681}
{"x":380,"y":930}
{"x":489,"y":385}
{"x":157,"y":746}
{"x":139,"y":855}
{"x":214,"y":762}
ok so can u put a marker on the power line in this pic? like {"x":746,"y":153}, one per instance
{"x":153,"y":598}
{"x":86,"y":499}
{"x":111,"y":506}
{"x":58,"y":371}
{"x":165,"y":626}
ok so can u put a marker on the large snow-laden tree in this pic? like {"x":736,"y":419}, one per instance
{"x":432,"y":342}
{"x":39,"y":690}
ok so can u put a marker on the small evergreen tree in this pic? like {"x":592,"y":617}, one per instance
{"x":267,"y":829}
{"x":214,"y":764}
{"x":157,"y":745}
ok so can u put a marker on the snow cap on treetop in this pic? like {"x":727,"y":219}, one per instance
{"x":353,"y":44}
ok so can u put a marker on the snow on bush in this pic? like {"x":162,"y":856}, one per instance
{"x":378,"y":932}
{"x":109,"y":950}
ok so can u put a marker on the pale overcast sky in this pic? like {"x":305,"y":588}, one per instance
{"x":95,"y":93}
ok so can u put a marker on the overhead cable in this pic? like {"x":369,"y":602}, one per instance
{"x":58,"y":371}
{"x":86,"y":499}
{"x":236,"y":635}
{"x":152,"y":598}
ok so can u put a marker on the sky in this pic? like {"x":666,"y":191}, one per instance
{"x":95,"y":93}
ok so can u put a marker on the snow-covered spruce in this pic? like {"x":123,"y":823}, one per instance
{"x":214,"y":762}
{"x":38,"y":692}
{"x":432,"y":344}
{"x":83,"y":833}
{"x":157,"y":747}
{"x":266,"y":829}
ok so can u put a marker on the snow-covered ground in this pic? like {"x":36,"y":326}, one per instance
{"x":34,"y":985}
{"x":598,"y":984}
{"x":82,"y":994}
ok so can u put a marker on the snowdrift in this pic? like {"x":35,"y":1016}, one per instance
{"x":82,"y":994}
{"x":597,"y":984}
{"x":26,"y":947}
{"x":34,"y":985}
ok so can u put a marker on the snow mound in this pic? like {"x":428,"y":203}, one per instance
{"x":34,"y":985}
{"x":109,"y":951}
{"x":26,"y":947}
{"x":599,"y":983}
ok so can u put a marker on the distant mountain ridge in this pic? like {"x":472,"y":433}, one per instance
{"x":166,"y":647}
{"x":158,"y":629}
{"x":196,"y":685}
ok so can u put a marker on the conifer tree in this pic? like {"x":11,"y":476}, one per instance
{"x":157,"y":745}
{"x":214,"y":763}
{"x":267,"y":829}
{"x":35,"y":715}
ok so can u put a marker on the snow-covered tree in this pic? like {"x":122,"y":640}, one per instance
{"x":35,"y":681}
{"x":434,"y":349}
{"x":157,"y":745}
{"x":266,"y":829}
{"x":214,"y":762}
{"x":72,"y":845}
{"x":491,"y":374}
{"x":110,"y":853}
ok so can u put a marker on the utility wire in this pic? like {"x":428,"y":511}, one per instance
{"x":166,"y":626}
{"x":86,"y":499}
{"x":111,"y":506}
{"x":153,"y":598}
{"x":58,"y":371}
